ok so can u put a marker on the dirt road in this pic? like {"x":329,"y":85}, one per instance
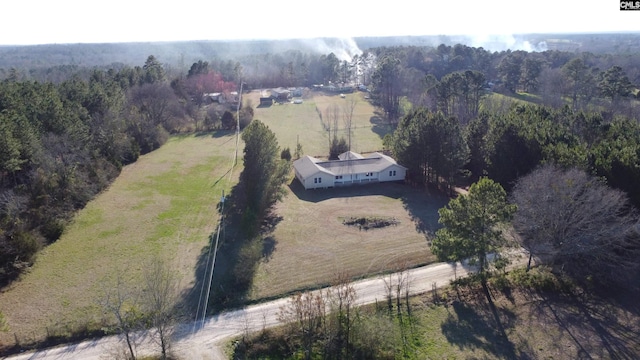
{"x":203,"y":341}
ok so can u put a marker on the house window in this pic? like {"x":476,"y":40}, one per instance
{"x":338,"y":177}
{"x":319,"y":180}
{"x":392,"y":173}
{"x":315,"y":180}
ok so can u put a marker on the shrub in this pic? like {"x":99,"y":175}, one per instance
{"x":500,"y":282}
{"x":285,"y":154}
{"x":539,"y":278}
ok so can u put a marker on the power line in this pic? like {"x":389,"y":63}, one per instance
{"x":213,"y":263}
{"x":234,"y":161}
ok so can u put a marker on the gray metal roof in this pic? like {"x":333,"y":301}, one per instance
{"x":356,"y":164}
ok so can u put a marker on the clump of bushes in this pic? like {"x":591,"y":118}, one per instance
{"x":539,"y":278}
{"x":366,"y":223}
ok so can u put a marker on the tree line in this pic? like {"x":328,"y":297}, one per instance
{"x":571,"y":175}
{"x":64,"y":140}
{"x":504,"y":146}
{"x":453,"y":79}
{"x":62,"y":143}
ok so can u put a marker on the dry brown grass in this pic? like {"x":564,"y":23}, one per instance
{"x":301,"y":122}
{"x":310,"y":245}
{"x":578,"y":324}
{"x":164,"y":205}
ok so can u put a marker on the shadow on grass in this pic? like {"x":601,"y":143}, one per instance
{"x":227,"y":284}
{"x":222,"y":133}
{"x":598,"y":326}
{"x":392,"y":190}
{"x":423,"y":208}
{"x":421,"y":205}
{"x":215,"y":287}
{"x":380,"y":126}
{"x":269,"y":244}
{"x":468,"y":327}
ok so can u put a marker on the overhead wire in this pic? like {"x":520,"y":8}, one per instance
{"x":211,"y":258}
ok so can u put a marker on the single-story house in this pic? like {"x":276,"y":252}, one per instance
{"x":351,"y":168}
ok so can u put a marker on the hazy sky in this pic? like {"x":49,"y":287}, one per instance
{"x":74,"y":21}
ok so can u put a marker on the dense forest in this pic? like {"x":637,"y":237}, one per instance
{"x":459,"y":113}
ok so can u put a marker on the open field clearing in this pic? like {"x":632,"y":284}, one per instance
{"x":162,"y":206}
{"x":310,"y":245}
{"x":290,"y":121}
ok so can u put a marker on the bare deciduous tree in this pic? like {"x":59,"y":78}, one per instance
{"x":342,"y":297}
{"x":306,"y":314}
{"x":577,"y":222}
{"x":347,"y":116}
{"x":123,"y":303}
{"x":160,"y":300}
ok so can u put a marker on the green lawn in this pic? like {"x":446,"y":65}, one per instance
{"x":310,"y":225}
{"x":300,"y":122}
{"x":162,"y":206}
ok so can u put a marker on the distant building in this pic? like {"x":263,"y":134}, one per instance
{"x":296,"y":92}
{"x":233,"y":97}
{"x":221,"y":98}
{"x":280,"y":94}
{"x":266,"y":101}
{"x":214,"y":97}
{"x":351,"y":168}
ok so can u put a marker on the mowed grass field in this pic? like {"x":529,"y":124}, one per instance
{"x":310,"y":246}
{"x":301,"y":122}
{"x":162,"y":206}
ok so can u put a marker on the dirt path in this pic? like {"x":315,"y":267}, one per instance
{"x":204,"y":341}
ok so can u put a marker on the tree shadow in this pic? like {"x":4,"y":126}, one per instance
{"x":192,"y":302}
{"x":227,"y":284}
{"x":380,"y":126}
{"x":389,"y":189}
{"x":268,"y":247}
{"x":423,"y":208}
{"x":421,"y":205}
{"x":222,"y":133}
{"x":598,"y":326}
{"x":213,"y":272}
{"x":468,"y":328}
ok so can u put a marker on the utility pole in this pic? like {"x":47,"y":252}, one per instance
{"x":235,"y":160}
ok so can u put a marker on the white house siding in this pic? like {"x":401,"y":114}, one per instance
{"x":352,"y":169}
{"x":400,"y":173}
{"x":363,"y":178}
{"x":325,"y":181}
